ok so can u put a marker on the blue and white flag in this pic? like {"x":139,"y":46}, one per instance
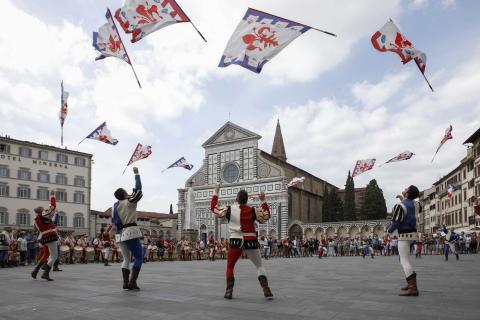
{"x":258,"y":38}
{"x":102,"y":134}
{"x":182,"y":162}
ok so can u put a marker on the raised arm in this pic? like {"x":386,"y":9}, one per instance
{"x":137,"y":192}
{"x":262,"y":214}
{"x":53,"y":206}
{"x":219,"y":212}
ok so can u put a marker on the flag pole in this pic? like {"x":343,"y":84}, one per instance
{"x":125,"y":169}
{"x":128,"y":57}
{"x":424,"y":77}
{"x":323,"y":31}
{"x":201,"y":35}
{"x":82,"y":141}
{"x":61,"y":135}
{"x":190,"y":20}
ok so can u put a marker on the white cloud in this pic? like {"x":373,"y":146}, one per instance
{"x":326,"y":137}
{"x":374,"y":95}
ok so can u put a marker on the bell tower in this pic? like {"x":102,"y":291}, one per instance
{"x":278,"y":148}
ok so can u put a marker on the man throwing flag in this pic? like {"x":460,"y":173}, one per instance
{"x":404,"y":222}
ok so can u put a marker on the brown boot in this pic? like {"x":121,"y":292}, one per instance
{"x":126,"y":275}
{"x":264,"y":284}
{"x":46,"y":273}
{"x":35,"y":271}
{"x":229,"y":290}
{"x":132,"y":285}
{"x":411,"y":288}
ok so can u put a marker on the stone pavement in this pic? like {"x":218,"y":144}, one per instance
{"x":308,"y":288}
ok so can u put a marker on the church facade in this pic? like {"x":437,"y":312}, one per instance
{"x":233,"y":159}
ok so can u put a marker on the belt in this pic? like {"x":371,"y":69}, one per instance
{"x":249,"y":234}
{"x":47,"y":231}
{"x":133,"y":224}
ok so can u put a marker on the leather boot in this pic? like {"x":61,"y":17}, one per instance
{"x":126,"y":275}
{"x":35,"y":271}
{"x":229,"y":289}
{"x":55,"y":267}
{"x":264,"y":284}
{"x":456,"y":254}
{"x":132,"y":285}
{"x":46,"y":273}
{"x":105,"y":263}
{"x":412,"y":287}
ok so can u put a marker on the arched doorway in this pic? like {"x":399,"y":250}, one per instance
{"x":308,"y":233}
{"x":353,"y":232}
{"x":342,"y":232}
{"x":378,"y":231}
{"x":319,"y":233}
{"x":273,"y":234}
{"x":365,"y":231}
{"x":295,"y":232}
{"x":330,"y":232}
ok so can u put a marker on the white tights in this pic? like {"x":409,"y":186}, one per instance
{"x":127,"y":255}
{"x":404,"y":253}
{"x":53,"y":250}
{"x":254,"y":256}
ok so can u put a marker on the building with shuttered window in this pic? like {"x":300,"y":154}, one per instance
{"x":29,"y":171}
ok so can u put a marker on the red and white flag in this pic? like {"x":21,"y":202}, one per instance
{"x":389,"y":38}
{"x":108,"y":42}
{"x":62,"y":115}
{"x":450,"y":193}
{"x":405,"y":155}
{"x":447,"y":136}
{"x":141,"y":152}
{"x":363,"y":165}
{"x":142,"y":17}
{"x":295,"y":182}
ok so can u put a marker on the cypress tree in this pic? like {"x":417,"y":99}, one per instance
{"x":349,"y":203}
{"x":374,"y":206}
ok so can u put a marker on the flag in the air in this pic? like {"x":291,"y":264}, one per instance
{"x":405,"y":155}
{"x":447,"y":136}
{"x":258,"y":38}
{"x":182,"y":162}
{"x":108,"y":42}
{"x":389,"y":38}
{"x":363,"y":165}
{"x":450,"y":193}
{"x":295,"y":182}
{"x":102,"y":133}
{"x":62,"y":115}
{"x":142,"y":17}
{"x":141,"y":152}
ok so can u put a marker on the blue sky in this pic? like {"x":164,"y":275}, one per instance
{"x":338,"y":99}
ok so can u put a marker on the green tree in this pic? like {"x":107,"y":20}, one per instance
{"x":349,"y":201}
{"x":374,"y":206}
{"x":336,"y":206}
{"x":326,"y":207}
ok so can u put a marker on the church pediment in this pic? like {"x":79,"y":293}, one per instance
{"x":230,"y":132}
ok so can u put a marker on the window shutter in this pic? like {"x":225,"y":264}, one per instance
{"x":7,"y":189}
{"x":29,"y":193}
{"x":18,"y":218}
{"x":38,"y":194}
{"x":18,"y":174}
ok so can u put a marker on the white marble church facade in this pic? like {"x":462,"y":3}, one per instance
{"x":232,"y":158}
